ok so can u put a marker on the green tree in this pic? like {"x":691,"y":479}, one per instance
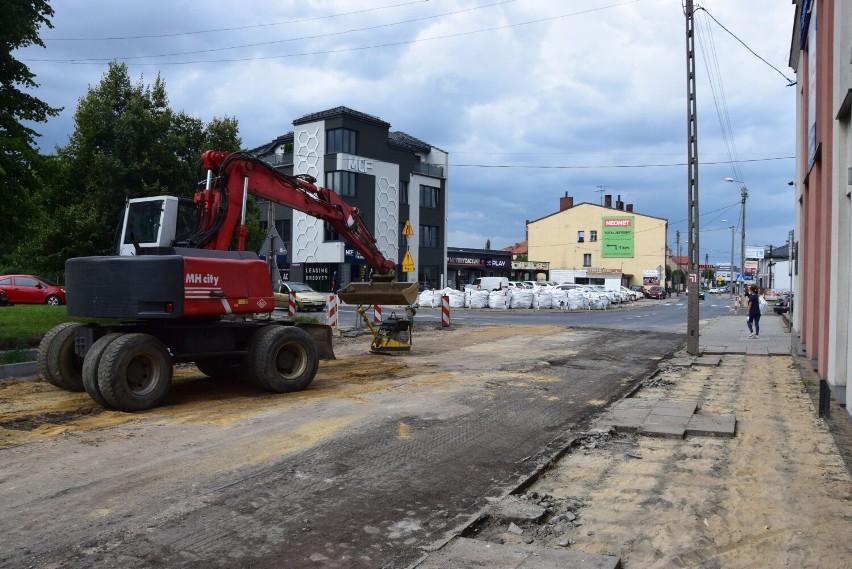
{"x":19,"y":158}
{"x":488,"y":244}
{"x":127,"y":143}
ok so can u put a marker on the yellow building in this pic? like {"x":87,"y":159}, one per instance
{"x":600,"y":244}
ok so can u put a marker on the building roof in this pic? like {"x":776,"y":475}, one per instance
{"x":479,"y":251}
{"x":614,"y":211}
{"x":341,"y":111}
{"x":408,"y":142}
{"x":269,"y":147}
{"x":518,"y":248}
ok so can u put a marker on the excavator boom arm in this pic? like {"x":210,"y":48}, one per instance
{"x":267,"y":183}
{"x":221,"y":202}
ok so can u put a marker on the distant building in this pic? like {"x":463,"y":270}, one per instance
{"x":465,"y":265}
{"x":605,"y":244}
{"x":391,"y":177}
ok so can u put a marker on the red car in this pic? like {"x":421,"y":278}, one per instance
{"x":27,"y":289}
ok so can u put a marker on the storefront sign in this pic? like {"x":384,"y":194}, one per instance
{"x":617,"y":237}
{"x":531,"y":265}
{"x":356,"y":164}
{"x":352,"y":256}
{"x":498,"y":263}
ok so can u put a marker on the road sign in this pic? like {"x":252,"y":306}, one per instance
{"x":407,"y":263}
{"x":407,"y":230}
{"x":740,"y":278}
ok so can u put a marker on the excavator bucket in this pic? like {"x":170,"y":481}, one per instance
{"x":321,"y":335}
{"x":379,"y":292}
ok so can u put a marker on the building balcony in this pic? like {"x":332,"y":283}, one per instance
{"x":278,"y":159}
{"x":433,"y":170}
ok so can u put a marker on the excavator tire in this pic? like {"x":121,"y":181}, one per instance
{"x":135,"y":372}
{"x":227,"y":369}
{"x":282,"y":359}
{"x":91,"y":365}
{"x":57,"y":361}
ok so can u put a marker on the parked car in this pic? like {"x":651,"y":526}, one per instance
{"x":700,"y":293}
{"x":638,"y":288}
{"x":718,"y":290}
{"x":632,"y":294}
{"x":306,"y":297}
{"x":29,"y":289}
{"x":657,"y":292}
{"x":488,"y":283}
{"x":784,"y":304}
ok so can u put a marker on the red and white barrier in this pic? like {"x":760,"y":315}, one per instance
{"x":331,"y":311}
{"x":377,"y":314}
{"x":445,"y":311}
{"x":291,"y":309}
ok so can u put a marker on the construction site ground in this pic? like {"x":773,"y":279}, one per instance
{"x":476,"y":424}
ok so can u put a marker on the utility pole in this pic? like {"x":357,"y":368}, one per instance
{"x":692,"y":166}
{"x":679,"y":268}
{"x":744,"y":194}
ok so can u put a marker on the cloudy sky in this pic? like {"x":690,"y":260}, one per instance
{"x":533,"y":99}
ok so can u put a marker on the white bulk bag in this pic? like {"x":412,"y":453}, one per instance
{"x":520,"y":298}
{"x":559,"y":298}
{"x":476,"y":299}
{"x":498,"y":299}
{"x":542,"y":299}
{"x":429,"y":298}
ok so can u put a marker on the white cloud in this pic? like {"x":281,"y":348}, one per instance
{"x":584,"y":93}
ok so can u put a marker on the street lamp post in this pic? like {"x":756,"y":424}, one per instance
{"x":744,"y":194}
{"x":731,"y":277}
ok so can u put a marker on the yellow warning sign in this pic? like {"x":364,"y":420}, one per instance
{"x":407,"y":263}
{"x":407,"y":230}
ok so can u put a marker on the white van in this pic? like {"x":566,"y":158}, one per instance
{"x":488,"y":283}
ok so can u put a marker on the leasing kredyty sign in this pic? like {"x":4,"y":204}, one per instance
{"x":617,"y":235}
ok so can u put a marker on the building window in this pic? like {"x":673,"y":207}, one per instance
{"x":330,"y":233}
{"x":593,"y":236}
{"x":341,"y":140}
{"x":429,"y":197}
{"x":343,"y":183}
{"x":581,"y":236}
{"x":283,"y":228}
{"x":429,"y":236}
{"x":403,"y":192}
{"x":587,"y":259}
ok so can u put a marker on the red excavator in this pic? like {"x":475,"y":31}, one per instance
{"x":182,"y":289}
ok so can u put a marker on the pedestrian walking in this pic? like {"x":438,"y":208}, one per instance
{"x":753,"y":313}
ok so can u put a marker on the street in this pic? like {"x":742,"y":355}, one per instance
{"x":378,"y":458}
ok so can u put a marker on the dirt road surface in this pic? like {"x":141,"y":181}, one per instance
{"x":378,"y":458}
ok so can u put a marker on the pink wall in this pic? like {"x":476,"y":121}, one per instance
{"x":815,"y":249}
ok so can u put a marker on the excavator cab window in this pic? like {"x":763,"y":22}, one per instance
{"x":156,"y":222}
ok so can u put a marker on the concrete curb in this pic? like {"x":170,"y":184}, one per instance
{"x":23,"y":370}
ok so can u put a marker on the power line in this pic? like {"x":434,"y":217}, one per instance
{"x":239,"y":28}
{"x":341,"y":50}
{"x":790,"y":82}
{"x":603,"y":166}
{"x":302,"y":38}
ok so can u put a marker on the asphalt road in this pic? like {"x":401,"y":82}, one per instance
{"x":378,"y":458}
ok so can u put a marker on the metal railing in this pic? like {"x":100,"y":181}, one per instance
{"x":434,"y":170}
